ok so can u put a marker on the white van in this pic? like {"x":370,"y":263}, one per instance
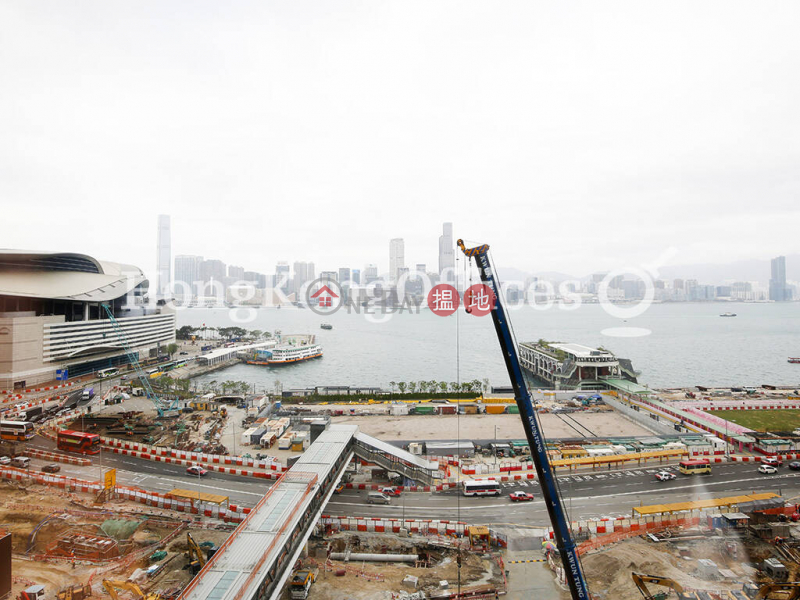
{"x":378,"y":498}
{"x":23,"y":462}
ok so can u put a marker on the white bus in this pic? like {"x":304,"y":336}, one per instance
{"x":106,"y":373}
{"x":19,"y":431}
{"x":481,"y":487}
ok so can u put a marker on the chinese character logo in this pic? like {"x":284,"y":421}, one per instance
{"x":479,"y":300}
{"x":327,"y":297}
{"x":443,"y":299}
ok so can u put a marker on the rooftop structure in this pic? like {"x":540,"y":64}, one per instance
{"x":51,"y":316}
{"x":572,"y":366}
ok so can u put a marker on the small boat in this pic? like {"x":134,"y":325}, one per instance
{"x":326,"y":326}
{"x":728,"y":314}
{"x":794,"y":360}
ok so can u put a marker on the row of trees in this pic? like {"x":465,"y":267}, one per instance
{"x":413,"y":387}
{"x":186,"y":331}
{"x":226,"y":387}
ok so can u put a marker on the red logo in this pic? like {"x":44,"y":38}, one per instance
{"x":479,"y":300}
{"x":324,"y":297}
{"x":443,"y":299}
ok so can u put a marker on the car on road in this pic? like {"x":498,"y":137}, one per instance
{"x":4,"y":460}
{"x":794,"y":465}
{"x":771,"y":460}
{"x":767,"y":469}
{"x":51,"y":468}
{"x":390,"y":491}
{"x":520,"y":496}
{"x":665,"y":475}
{"x":378,"y":498}
{"x":184,"y":353}
{"x":196,"y":470}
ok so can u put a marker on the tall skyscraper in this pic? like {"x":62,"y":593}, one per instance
{"x":447,"y":254}
{"x":397,"y":259}
{"x":164,"y":256}
{"x":344,"y":275}
{"x":778,"y":290}
{"x":355,"y":276}
{"x":187,"y":272}
{"x":282,"y":276}
{"x":235,"y":272}
{"x":370,"y":274}
{"x":212,"y":269}
{"x":303,"y":273}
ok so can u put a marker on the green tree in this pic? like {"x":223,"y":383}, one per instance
{"x":172,"y":349}
{"x":443,"y":386}
{"x":485,"y":386}
{"x":393,"y":384}
{"x":185,"y":332}
{"x":402,"y":387}
{"x":256,"y":333}
{"x":422,"y":386}
{"x":412,"y":387}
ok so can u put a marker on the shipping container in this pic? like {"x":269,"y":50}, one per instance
{"x":513,"y":409}
{"x":447,"y":409}
{"x":425,"y":410}
{"x":496,"y":409}
{"x":469,"y":409}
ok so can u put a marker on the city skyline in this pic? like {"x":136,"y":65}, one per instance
{"x":662,"y":160}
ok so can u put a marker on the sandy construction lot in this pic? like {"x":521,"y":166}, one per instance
{"x":447,"y":427}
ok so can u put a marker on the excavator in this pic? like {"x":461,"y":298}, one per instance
{"x":195,"y":554}
{"x":785,"y":591}
{"x":112,"y":586}
{"x":642,"y":580}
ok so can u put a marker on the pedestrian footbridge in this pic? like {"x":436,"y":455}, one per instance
{"x":256,"y":560}
{"x":396,"y":459}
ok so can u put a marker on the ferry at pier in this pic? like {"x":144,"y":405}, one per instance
{"x":794,"y":360}
{"x":728,"y":314}
{"x":285,"y":355}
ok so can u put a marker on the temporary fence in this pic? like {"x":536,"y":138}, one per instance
{"x":197,"y":457}
{"x":232,"y":513}
{"x":381,"y":525}
{"x":58,"y":457}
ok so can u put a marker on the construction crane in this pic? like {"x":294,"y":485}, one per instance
{"x":566,"y":547}
{"x":112,"y":586}
{"x":642,"y":580}
{"x":161,"y":406}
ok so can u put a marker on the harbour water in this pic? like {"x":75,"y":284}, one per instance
{"x":689,"y":344}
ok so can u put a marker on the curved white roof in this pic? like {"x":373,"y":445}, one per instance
{"x":65,"y":276}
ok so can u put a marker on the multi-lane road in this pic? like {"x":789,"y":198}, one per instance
{"x":586,"y":495}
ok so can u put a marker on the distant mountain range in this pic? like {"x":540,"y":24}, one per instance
{"x":716,"y":274}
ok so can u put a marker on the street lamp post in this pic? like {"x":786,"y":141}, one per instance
{"x":495,"y":446}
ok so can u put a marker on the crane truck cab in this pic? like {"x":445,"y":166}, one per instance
{"x":301,"y":584}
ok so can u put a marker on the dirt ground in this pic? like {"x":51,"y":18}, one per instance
{"x":469,"y":427}
{"x":476,"y":569}
{"x":23,"y":508}
{"x":608,"y":571}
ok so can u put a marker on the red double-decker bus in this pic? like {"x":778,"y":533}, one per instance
{"x":77,"y":441}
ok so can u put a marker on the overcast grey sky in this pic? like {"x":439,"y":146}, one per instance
{"x":572,"y":136}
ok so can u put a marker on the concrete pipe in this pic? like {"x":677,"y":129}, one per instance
{"x":354,"y":557}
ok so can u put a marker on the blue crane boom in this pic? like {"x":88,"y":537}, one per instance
{"x":558,"y":519}
{"x":133,"y":358}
